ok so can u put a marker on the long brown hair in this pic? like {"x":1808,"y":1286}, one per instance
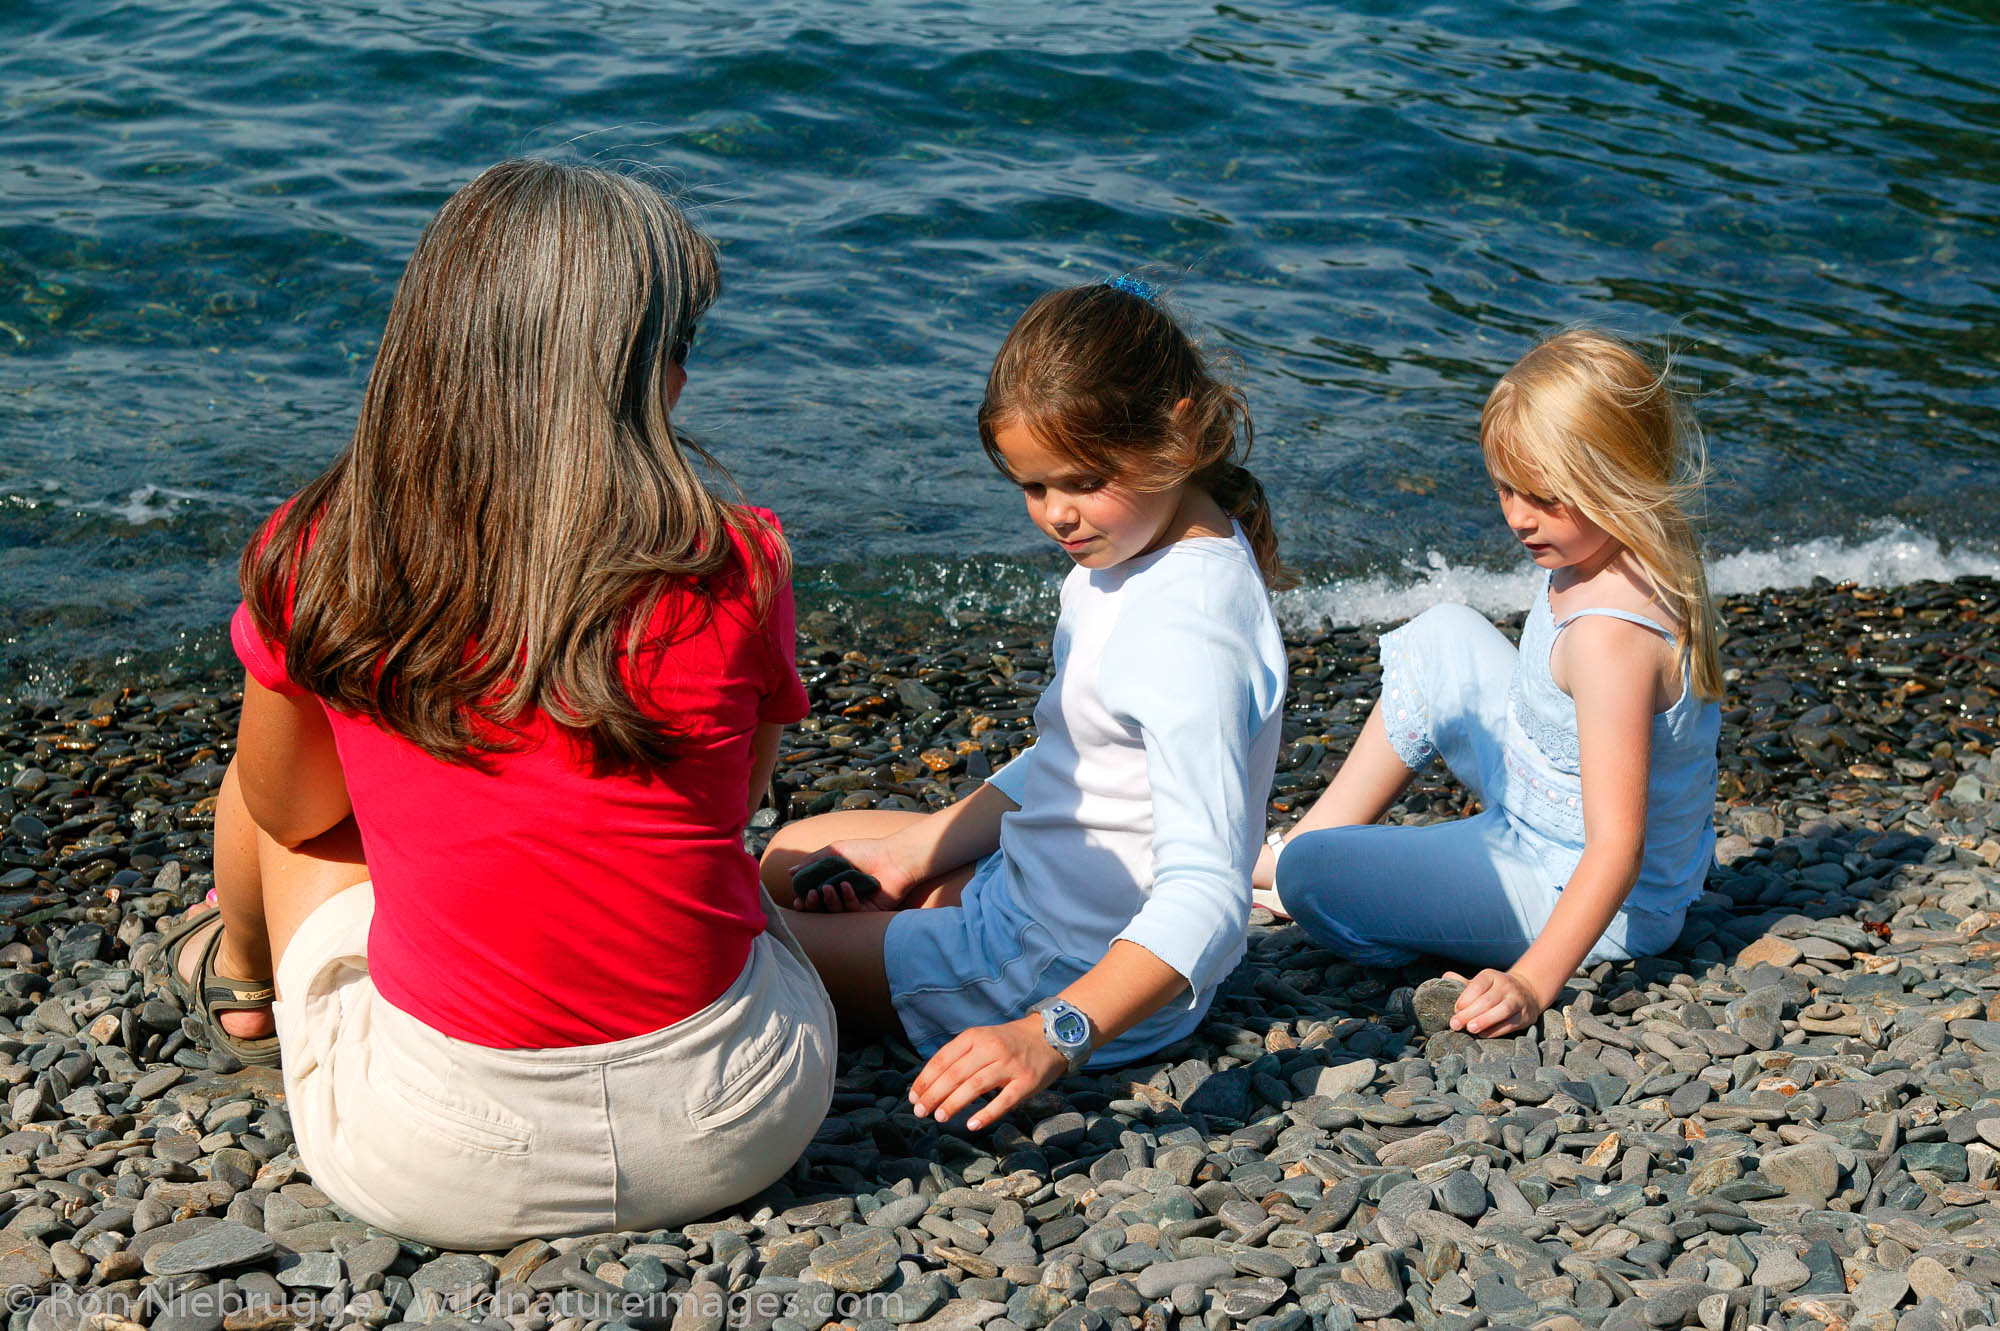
{"x":1584,"y":420}
{"x":514,"y":505}
{"x":1098,"y":374}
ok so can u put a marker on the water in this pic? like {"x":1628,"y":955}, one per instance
{"x":204,"y":207}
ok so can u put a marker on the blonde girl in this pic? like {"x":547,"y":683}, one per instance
{"x":1592,"y":747}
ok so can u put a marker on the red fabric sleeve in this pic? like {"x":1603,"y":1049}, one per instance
{"x":785,"y":695}
{"x":784,"y":698}
{"x":265,"y":661}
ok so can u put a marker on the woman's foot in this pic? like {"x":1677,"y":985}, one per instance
{"x":253,"y":1023}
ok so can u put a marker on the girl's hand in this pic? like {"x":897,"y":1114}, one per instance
{"x":1494,"y":1003}
{"x":1009,"y":1062}
{"x":874,"y":856}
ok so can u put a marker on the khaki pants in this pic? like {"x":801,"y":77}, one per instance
{"x":462,"y":1146}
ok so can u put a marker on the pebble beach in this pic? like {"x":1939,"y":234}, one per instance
{"x":1788,"y":1121}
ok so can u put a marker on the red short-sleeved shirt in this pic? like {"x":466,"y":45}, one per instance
{"x":528,"y":904}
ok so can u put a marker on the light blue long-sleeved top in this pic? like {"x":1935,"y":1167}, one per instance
{"x":1142,"y":801}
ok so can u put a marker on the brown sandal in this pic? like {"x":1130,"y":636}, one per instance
{"x":211,"y":994}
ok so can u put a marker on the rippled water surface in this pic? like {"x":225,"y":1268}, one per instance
{"x":204,"y":208}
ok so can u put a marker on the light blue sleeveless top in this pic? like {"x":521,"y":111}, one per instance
{"x":1544,"y":794}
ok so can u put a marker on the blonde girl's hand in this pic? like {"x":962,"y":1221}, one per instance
{"x":1009,"y":1062}
{"x":1494,"y":1003}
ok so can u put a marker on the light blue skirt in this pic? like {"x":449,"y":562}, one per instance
{"x":984,"y":962}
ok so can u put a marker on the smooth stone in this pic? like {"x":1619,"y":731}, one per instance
{"x":915,"y":1300}
{"x":1929,"y":1279}
{"x":1780,"y":1269}
{"x":1246,"y":1298}
{"x":1808,"y":1172}
{"x":310,"y":1270}
{"x":705,"y":1308}
{"x":961,"y":1315}
{"x":1461,"y":1195}
{"x":901,"y":1213}
{"x":1881,"y":1291}
{"x":25,"y":1262}
{"x":835,"y":1212}
{"x":1078,"y":1318}
{"x":1770,"y":951}
{"x":1673,"y":1307}
{"x":1163,"y":1278}
{"x":455,"y":1277}
{"x":1364,"y":1302}
{"x":224,"y":1244}
{"x":860,"y":1262}
{"x":1337,"y":1080}
{"x":1434,"y":1003}
{"x":1224,"y":1095}
{"x":1499,"y":1299}
{"x":374,"y":1257}
{"x":191,"y":1310}
{"x":1757,"y":1015}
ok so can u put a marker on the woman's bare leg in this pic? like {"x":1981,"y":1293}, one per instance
{"x":263,"y":891}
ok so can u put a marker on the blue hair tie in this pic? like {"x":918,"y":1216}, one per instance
{"x":1134,"y":286}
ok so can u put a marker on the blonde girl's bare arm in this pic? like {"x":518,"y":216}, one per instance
{"x":1612,"y":670}
{"x":287,"y":765}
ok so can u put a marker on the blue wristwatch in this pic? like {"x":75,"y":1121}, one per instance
{"x":1067,"y":1029}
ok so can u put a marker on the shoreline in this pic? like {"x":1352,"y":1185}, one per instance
{"x":1791,"y":1117}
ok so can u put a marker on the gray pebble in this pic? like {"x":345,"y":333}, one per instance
{"x":219,"y":1246}
{"x":1161,"y":1279}
{"x":859,"y":1262}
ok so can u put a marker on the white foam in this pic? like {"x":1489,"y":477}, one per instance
{"x":164,"y":503}
{"x":1889,"y":557}
{"x":1894,"y":555}
{"x":148,"y":503}
{"x":1381,"y":598}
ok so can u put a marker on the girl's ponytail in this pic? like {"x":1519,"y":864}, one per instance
{"x":1241,"y":495}
{"x":1105,"y":376}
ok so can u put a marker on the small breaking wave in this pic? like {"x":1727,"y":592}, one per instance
{"x":1890,"y":556}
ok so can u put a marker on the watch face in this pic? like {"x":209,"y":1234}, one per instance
{"x":1071,"y":1027}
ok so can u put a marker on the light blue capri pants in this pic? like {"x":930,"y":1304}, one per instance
{"x":1478,"y":890}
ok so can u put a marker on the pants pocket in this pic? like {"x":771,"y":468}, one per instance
{"x":750,"y":1075}
{"x":458,"y":1118}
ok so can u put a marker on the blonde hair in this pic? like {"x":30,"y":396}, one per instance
{"x":501,"y":536}
{"x":1583,"y":420}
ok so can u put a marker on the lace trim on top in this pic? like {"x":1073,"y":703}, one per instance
{"x":1557,"y":740}
{"x":1405,"y":718}
{"x":1548,"y":715}
{"x":1545,"y":713}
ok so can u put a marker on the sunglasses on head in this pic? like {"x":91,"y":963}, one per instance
{"x":683,"y":346}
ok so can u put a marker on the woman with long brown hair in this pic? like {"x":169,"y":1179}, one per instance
{"x":515,"y":678}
